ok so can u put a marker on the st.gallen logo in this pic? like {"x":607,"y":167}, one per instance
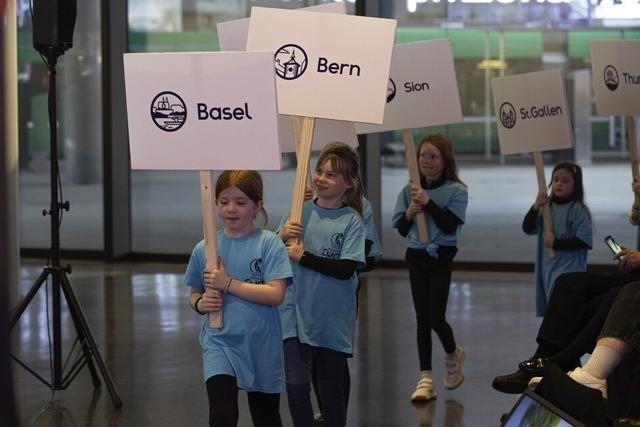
{"x":391,"y":90}
{"x":507,"y":115}
{"x":168,"y":111}
{"x":291,"y":61}
{"x":611,"y":78}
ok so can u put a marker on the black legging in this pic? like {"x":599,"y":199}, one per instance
{"x":223,"y":404}
{"x":430,"y":281}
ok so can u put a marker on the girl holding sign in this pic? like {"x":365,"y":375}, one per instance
{"x":253,"y":270}
{"x":443,"y":196}
{"x":319,"y":312}
{"x":571,"y":226}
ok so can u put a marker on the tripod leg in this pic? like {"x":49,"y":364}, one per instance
{"x":86,"y":348}
{"x":76,"y":310}
{"x":15,"y":316}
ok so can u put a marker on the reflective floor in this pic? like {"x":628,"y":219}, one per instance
{"x":148,"y":337}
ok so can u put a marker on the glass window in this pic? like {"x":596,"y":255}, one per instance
{"x":79,"y":101}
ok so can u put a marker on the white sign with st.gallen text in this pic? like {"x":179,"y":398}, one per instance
{"x":232,"y":36}
{"x":328,"y":65}
{"x":615,"y":70}
{"x":422,"y":89}
{"x":202,"y":111}
{"x":531,"y":112}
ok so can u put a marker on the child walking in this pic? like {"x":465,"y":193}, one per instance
{"x":252,"y":273}
{"x":319,"y":312}
{"x":443,"y":197}
{"x":571,"y":227}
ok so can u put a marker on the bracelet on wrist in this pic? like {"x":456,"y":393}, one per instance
{"x":226,"y":288}
{"x":195,"y":306}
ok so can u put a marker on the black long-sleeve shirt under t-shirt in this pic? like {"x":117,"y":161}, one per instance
{"x":445,"y":220}
{"x":339,"y":268}
{"x":567,"y":244}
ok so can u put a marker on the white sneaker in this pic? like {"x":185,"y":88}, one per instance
{"x":455,"y":364}
{"x":581,"y":376}
{"x":425,"y":389}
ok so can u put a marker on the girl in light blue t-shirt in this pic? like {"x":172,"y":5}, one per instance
{"x":250,"y":281}
{"x":442,"y":198}
{"x":319,"y":312}
{"x":572,"y":231}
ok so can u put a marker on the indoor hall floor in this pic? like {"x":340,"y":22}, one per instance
{"x":148,"y":338}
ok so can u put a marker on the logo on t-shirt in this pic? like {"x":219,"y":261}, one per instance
{"x":336,"y":246}
{"x":256,"y":271}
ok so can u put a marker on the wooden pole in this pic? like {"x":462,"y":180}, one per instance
{"x":296,"y":124}
{"x":414,"y":178}
{"x":302,"y":170}
{"x":546,"y":210}
{"x":633,"y":151}
{"x":207,"y":202}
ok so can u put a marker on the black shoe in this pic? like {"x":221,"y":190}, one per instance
{"x":514,"y":383}
{"x":533,"y":367}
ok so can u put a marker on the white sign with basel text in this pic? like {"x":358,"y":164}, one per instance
{"x":422,"y":89}
{"x":532,"y":113}
{"x":232,"y":36}
{"x":328,"y":65}
{"x":615,"y":70}
{"x":202,"y":111}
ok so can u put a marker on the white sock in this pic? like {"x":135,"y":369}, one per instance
{"x":426,"y":374}
{"x":602,"y":362}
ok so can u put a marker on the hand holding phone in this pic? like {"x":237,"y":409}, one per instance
{"x":613,"y":245}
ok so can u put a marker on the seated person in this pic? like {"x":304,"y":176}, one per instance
{"x":577,"y":310}
{"x":620,"y":337}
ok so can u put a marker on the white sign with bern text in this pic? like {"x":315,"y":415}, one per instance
{"x":615,"y":70}
{"x":422,"y":89}
{"x":202,"y":111}
{"x":232,"y":36}
{"x":328,"y":65}
{"x":532,"y":113}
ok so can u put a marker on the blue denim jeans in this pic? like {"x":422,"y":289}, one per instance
{"x":330,"y":366}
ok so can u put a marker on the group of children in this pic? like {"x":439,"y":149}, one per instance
{"x":289,"y":299}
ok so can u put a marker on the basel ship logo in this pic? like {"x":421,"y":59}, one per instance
{"x":391,"y":90}
{"x":611,"y":78}
{"x":168,"y":111}
{"x":507,"y":115}
{"x":290,"y":61}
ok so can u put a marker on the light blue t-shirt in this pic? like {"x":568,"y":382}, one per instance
{"x":321,"y":310}
{"x":249,"y":345}
{"x":570,"y":219}
{"x":370,"y":229}
{"x":452,"y":196}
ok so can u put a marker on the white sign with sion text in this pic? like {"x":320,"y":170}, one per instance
{"x":422,"y":89}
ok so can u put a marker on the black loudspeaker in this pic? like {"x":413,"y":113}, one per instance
{"x":53,"y":23}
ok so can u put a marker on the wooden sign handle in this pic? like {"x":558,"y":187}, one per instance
{"x":414,"y":178}
{"x":207,"y":202}
{"x":302,"y":169}
{"x":547,"y":221}
{"x":633,"y":152}
{"x":296,"y":124}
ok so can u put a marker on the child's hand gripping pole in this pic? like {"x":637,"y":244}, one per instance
{"x":207,"y":202}
{"x":633,"y":152}
{"x":414,"y":177}
{"x":546,"y":211}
